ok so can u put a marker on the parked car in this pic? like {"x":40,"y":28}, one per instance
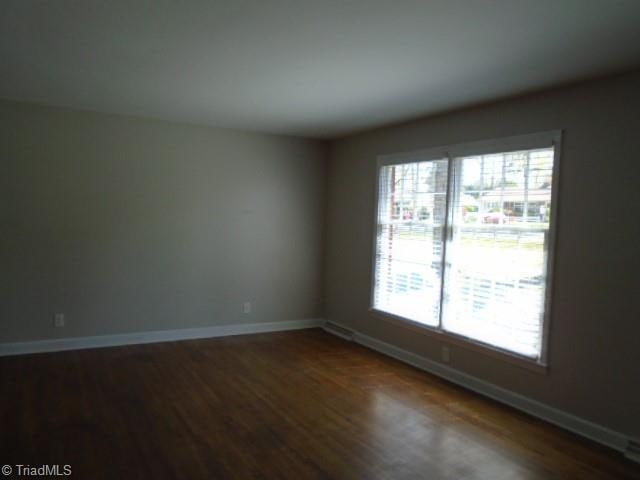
{"x":495,"y":217}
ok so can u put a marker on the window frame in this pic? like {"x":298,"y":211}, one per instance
{"x":552,"y":138}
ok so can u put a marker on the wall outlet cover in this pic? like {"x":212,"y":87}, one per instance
{"x":446,"y":354}
{"x":246,"y":307}
{"x":58,"y":320}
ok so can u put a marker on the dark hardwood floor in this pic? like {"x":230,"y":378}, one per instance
{"x":284,"y":405}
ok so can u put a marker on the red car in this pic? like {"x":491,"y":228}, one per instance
{"x":495,"y":217}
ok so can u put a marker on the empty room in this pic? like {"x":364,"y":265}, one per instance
{"x":330,"y":239}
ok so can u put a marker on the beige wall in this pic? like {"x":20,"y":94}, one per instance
{"x":595,"y":330}
{"x":129,"y":225}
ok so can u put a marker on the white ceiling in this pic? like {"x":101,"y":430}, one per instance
{"x":318,"y":68}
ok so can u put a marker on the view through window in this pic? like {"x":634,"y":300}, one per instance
{"x":462,"y":245}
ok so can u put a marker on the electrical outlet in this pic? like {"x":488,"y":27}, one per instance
{"x":246,"y":307}
{"x":58,"y":320}
{"x":445,"y":354}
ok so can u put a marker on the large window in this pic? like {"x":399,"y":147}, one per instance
{"x":463,"y":240}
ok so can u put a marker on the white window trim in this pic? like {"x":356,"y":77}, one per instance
{"x":482,"y":147}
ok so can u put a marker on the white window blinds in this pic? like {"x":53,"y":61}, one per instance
{"x":462,"y":245}
{"x":409,"y":238}
{"x":496,"y":257}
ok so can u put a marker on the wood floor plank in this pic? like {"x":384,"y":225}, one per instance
{"x":290,"y":405}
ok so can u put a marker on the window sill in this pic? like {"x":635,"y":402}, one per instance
{"x":463,"y":342}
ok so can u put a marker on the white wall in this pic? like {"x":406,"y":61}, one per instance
{"x":128,"y":225}
{"x":595,"y":320}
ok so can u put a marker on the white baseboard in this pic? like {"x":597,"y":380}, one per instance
{"x":98,"y":341}
{"x":565,"y":420}
{"x":633,"y":451}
